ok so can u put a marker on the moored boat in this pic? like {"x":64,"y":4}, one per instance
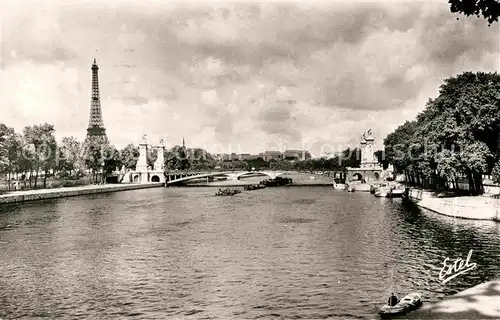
{"x":396,"y":191}
{"x":254,"y":187}
{"x":408,"y":303}
{"x":381,"y":191}
{"x":374,"y":187}
{"x":227,"y":192}
{"x":339,"y":184}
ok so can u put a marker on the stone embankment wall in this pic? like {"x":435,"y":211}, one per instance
{"x":42,"y":194}
{"x":478,"y":208}
{"x":479,"y":302}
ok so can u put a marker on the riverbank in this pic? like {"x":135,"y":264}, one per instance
{"x":476,"y":208}
{"x":42,"y":194}
{"x":479,"y":302}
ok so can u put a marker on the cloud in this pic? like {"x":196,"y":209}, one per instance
{"x":137,"y":100}
{"x":234,"y":76}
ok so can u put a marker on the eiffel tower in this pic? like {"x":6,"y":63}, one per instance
{"x":96,"y":125}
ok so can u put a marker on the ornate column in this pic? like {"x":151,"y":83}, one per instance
{"x":160,"y":163}
{"x":142,"y":163}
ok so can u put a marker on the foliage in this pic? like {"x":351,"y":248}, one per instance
{"x":397,"y":145}
{"x":257,"y":164}
{"x":94,"y":151}
{"x":111,"y":159}
{"x":489,"y":9}
{"x":496,"y":172}
{"x":129,"y":156}
{"x":36,"y":154}
{"x":43,"y":142}
{"x":151,"y":156}
{"x":181,"y":158}
{"x":70,"y":162}
{"x":457,"y":135}
{"x":5,"y":132}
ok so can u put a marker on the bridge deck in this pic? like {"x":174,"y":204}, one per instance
{"x":199,"y":176}
{"x":238,"y":175}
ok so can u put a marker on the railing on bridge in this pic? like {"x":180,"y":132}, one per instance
{"x":179,"y":177}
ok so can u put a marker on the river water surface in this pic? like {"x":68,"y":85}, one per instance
{"x":276,"y":253}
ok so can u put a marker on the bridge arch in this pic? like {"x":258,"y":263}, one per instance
{"x":155,"y":178}
{"x":358,"y":176}
{"x":198,"y":176}
{"x":270,"y":174}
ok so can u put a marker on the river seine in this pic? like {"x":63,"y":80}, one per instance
{"x":276,"y":253}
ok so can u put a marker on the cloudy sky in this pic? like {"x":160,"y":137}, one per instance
{"x":234,"y":77}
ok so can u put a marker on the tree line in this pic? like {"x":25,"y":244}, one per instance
{"x":35,"y":155}
{"x":338,"y":162}
{"x":457,"y":136}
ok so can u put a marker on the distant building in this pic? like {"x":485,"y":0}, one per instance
{"x":222,"y":156}
{"x":234,"y":156}
{"x":272,"y":155}
{"x":248,"y":156}
{"x":297,"y":155}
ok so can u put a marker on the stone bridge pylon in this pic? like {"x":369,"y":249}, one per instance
{"x":143,"y":173}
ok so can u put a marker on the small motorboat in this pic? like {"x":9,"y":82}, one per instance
{"x":408,"y":303}
{"x":227,"y":192}
{"x":339,"y":184}
{"x":254,"y":187}
{"x":396,"y":192}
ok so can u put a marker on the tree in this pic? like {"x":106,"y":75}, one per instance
{"x":10,"y":151}
{"x":489,"y":9}
{"x":380,"y":156}
{"x":176,"y":159}
{"x":448,"y":165}
{"x":496,"y":173}
{"x":26,"y":162}
{"x":111,"y":160}
{"x":129,"y":156}
{"x":258,"y":163}
{"x":200,"y":159}
{"x":397,"y":146}
{"x":457,"y":134}
{"x":474,"y":157}
{"x":95,"y":148}
{"x":48,"y":152}
{"x":151,"y":156}
{"x":4,"y":133}
{"x":350,"y":158}
{"x":70,"y":162}
{"x":42,"y":139}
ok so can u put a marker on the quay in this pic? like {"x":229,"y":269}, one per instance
{"x":42,"y":194}
{"x":476,"y":208}
{"x":479,"y":302}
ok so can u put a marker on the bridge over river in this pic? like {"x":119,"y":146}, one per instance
{"x":175,"y":179}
